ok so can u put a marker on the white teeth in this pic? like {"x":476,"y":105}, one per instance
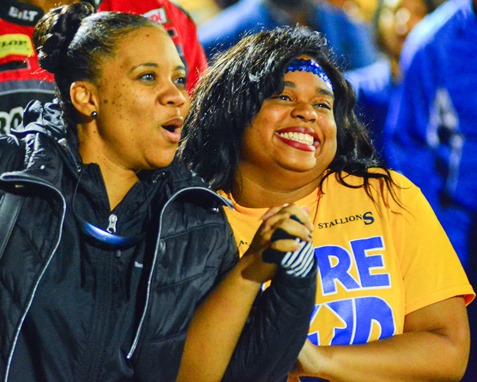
{"x":299,"y":137}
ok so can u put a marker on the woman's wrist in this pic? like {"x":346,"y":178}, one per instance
{"x":253,"y":269}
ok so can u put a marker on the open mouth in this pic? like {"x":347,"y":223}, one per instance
{"x":299,"y":138}
{"x":170,"y":128}
{"x":173,"y":127}
{"x":306,"y":139}
{"x":174,"y":124}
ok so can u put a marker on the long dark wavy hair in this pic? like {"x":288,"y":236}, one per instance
{"x":233,"y":90}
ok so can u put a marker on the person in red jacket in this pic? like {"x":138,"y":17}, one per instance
{"x":21,"y":78}
{"x":178,"y":24}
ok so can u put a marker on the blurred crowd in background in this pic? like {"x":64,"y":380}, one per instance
{"x":415,"y":92}
{"x":204,"y":10}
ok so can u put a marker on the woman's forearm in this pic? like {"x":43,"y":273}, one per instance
{"x":218,"y":323}
{"x":434,"y":347}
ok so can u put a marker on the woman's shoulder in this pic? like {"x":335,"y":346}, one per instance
{"x":358,"y":179}
{"x":182,"y":176}
{"x":390,"y":185}
{"x":397,"y":177}
{"x":188,"y":183}
{"x":11,"y":153}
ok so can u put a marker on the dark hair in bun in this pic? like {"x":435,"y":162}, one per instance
{"x":72,"y":41}
{"x":54,"y":33}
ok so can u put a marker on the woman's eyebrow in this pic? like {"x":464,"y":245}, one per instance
{"x":155,"y":65}
{"x":319,"y":90}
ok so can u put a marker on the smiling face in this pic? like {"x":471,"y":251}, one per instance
{"x":293,"y":133}
{"x":142,"y":103}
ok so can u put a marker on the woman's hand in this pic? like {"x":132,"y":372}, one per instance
{"x":285,"y":231}
{"x":308,"y":361}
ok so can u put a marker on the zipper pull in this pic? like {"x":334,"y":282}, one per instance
{"x":112,"y":223}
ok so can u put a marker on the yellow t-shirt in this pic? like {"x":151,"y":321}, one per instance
{"x":377,"y":261}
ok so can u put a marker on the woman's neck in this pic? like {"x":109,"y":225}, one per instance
{"x":118,"y":180}
{"x":254,"y":192}
{"x":117,"y":185}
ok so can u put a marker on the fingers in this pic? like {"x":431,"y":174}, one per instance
{"x":287,"y":210}
{"x":282,"y":225}
{"x":288,"y":233}
{"x":284,"y":239}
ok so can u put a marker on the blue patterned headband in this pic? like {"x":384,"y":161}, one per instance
{"x":312,"y":67}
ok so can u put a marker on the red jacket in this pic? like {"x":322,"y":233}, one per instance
{"x":21,"y":78}
{"x":177,"y":22}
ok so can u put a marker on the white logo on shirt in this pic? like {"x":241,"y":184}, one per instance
{"x":27,"y":15}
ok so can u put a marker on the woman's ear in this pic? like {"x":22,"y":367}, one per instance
{"x":83,"y":98}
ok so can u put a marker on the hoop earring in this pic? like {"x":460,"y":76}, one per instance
{"x":94,"y":114}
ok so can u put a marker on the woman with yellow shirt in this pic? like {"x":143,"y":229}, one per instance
{"x":271,"y":124}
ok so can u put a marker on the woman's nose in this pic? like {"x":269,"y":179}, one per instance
{"x":305,"y":112}
{"x":174,"y":96}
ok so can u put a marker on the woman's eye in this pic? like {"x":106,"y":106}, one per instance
{"x":181,"y":81}
{"x":148,"y":77}
{"x":322,"y":105}
{"x":281,"y":97}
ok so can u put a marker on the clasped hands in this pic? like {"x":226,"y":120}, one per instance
{"x":284,"y":241}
